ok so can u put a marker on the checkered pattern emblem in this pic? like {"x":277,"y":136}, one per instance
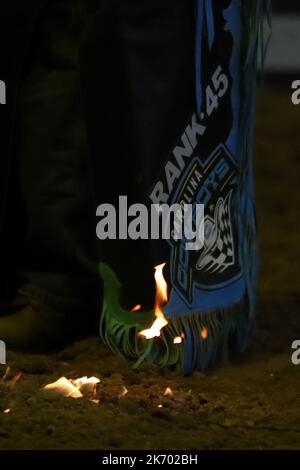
{"x":218,"y":252}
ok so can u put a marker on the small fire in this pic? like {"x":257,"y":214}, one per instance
{"x":204,"y":333}
{"x":168,"y":392}
{"x":136,"y":308}
{"x":64,"y":387}
{"x":178,"y":339}
{"x":79,"y":388}
{"x":160,"y":299}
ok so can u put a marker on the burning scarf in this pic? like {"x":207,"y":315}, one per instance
{"x":209,"y":313}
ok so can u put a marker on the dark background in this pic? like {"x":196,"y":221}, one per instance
{"x":253,"y":403}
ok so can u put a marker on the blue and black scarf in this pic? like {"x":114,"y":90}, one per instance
{"x":213,"y":289}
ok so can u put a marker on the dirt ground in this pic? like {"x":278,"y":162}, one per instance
{"x":251,"y":404}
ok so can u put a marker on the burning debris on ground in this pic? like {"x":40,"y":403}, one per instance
{"x":129,"y":406}
{"x":78,"y":388}
{"x":147,"y":389}
{"x":148,"y":393}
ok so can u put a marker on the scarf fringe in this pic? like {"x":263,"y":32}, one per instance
{"x":226,"y":331}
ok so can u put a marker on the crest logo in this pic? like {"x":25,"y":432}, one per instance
{"x":218,"y":253}
{"x":211,"y":182}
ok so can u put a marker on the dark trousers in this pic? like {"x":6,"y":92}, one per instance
{"x":123,"y":71}
{"x":138,"y":80}
{"x":58,"y":262}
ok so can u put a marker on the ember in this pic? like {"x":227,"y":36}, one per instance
{"x":137,"y":308}
{"x":204,"y":333}
{"x":168,"y":392}
{"x":177,"y":340}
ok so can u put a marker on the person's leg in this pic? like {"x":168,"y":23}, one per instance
{"x":139,"y":95}
{"x":58,"y":266}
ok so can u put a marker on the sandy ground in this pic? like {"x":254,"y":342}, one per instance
{"x":251,"y":404}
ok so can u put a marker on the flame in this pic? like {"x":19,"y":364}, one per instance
{"x":204,"y":333}
{"x":83,"y":387}
{"x":177,"y":340}
{"x":161,"y":286}
{"x":160,"y":299}
{"x":168,"y":392}
{"x":155,"y":329}
{"x":64,"y":387}
{"x":136,"y":308}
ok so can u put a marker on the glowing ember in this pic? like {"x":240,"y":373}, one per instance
{"x":204,"y":333}
{"x":177,"y":340}
{"x":168,"y":392}
{"x":123,"y":392}
{"x":83,"y":387}
{"x":160,"y":299}
{"x":136,"y":308}
{"x":16,"y":378}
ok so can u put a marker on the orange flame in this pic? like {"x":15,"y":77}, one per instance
{"x":136,"y":308}
{"x":160,"y":299}
{"x":204,"y":333}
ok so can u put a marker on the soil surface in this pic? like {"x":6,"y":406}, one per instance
{"x":253,"y":403}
